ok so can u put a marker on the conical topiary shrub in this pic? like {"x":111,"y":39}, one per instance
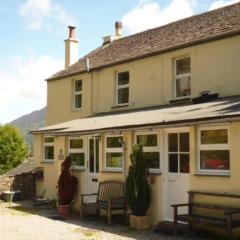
{"x":138,"y":189}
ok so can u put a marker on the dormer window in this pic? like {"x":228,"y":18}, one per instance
{"x":77,"y":94}
{"x":183,"y":77}
{"x":122,"y":91}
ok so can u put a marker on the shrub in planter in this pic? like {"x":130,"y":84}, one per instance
{"x":138,"y":190}
{"x":67,"y":187}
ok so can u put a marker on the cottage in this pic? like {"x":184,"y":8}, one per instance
{"x":175,"y":89}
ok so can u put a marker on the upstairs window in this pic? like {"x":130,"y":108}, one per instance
{"x":48,"y":148}
{"x":183,"y":77}
{"x":77,"y":94}
{"x":214,"y":154}
{"x":122,"y":94}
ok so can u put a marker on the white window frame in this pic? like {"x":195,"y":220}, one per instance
{"x":113,"y":150}
{"x":75,"y":93}
{"x":77,"y":150}
{"x":151,"y":149}
{"x":180,"y":76}
{"x":48,"y":145}
{"x":222,"y":146}
{"x":118,"y":87}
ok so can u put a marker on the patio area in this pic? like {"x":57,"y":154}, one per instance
{"x":22,"y":221}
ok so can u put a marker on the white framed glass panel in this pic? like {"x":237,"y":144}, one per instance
{"x":183,"y":77}
{"x":76,"y":152}
{"x":114,"y":152}
{"x":77,"y":94}
{"x":214,"y":153}
{"x":122,"y":92}
{"x":48,"y":148}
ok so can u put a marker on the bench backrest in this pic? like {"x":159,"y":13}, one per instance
{"x":110,"y":189}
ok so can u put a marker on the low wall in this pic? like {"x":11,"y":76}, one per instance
{"x":24,"y":183}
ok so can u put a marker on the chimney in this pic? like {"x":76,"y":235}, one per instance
{"x":71,"y":48}
{"x":118,"y":29}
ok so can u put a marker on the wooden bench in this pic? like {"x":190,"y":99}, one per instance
{"x":110,"y":198}
{"x":225,"y":221}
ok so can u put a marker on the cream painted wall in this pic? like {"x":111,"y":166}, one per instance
{"x":215,"y":67}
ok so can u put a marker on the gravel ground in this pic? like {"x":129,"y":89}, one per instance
{"x":22,"y":222}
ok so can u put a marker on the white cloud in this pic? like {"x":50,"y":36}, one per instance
{"x":38,"y":13}
{"x":221,"y":3}
{"x":22,"y":87}
{"x":149,"y":14}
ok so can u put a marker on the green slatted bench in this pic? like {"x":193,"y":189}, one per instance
{"x":110,"y":198}
{"x":226,"y":221}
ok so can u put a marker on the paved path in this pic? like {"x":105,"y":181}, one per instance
{"x":24,"y":223}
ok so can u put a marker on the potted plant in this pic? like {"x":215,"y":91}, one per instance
{"x":67,"y":187}
{"x":138,"y":191}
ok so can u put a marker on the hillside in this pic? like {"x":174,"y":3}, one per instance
{"x":30,"y":122}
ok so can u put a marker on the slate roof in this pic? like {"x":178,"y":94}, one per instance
{"x":23,"y":168}
{"x":209,"y":26}
{"x":222,"y":109}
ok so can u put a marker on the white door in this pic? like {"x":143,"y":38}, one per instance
{"x":176,"y":174}
{"x":93,"y":167}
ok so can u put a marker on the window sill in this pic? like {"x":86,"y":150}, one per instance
{"x":79,"y":169}
{"x":120,"y":106}
{"x":180,"y":100}
{"x":76,"y":109}
{"x":111,"y":171}
{"x":213,"y":174}
{"x":47,"y":162}
{"x":151,"y":172}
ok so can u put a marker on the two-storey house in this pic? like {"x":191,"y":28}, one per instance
{"x":175,"y":89}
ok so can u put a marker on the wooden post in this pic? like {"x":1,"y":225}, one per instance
{"x":175,"y":220}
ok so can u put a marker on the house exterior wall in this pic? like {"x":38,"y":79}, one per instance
{"x":213,"y":64}
{"x":205,"y":182}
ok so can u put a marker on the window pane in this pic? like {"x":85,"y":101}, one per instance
{"x":78,"y":100}
{"x":149,"y":140}
{"x":214,"y":136}
{"x":49,"y":152}
{"x":78,"y":85}
{"x":76,"y":143}
{"x":183,"y":66}
{"x":114,"y":142}
{"x":91,"y":155}
{"x":173,"y":142}
{"x":97,"y":155}
{"x":123,"y":95}
{"x":77,"y":159}
{"x":183,"y":87}
{"x":114,"y":160}
{"x":184,"y":163}
{"x":49,"y":139}
{"x":184,"y":142}
{"x":152,"y":159}
{"x":173,"y":163}
{"x":214,"y":159}
{"x":123,"y":78}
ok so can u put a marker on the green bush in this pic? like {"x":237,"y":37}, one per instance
{"x":138,"y":189}
{"x":13,"y":149}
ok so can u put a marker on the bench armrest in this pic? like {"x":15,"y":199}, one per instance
{"x":88,"y":194}
{"x":232,"y":212}
{"x":180,"y":205}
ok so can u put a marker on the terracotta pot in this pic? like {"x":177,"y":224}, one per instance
{"x":140,"y":222}
{"x":63,"y":209}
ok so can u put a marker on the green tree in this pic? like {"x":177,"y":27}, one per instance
{"x":138,"y":189}
{"x":13,"y":149}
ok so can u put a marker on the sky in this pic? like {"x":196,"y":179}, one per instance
{"x":33,"y":33}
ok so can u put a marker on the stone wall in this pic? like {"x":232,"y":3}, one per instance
{"x":24,"y":183}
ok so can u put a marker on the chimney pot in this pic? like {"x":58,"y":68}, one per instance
{"x":71,"y":31}
{"x":118,"y":29}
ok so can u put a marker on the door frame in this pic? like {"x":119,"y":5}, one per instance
{"x":88,"y":137}
{"x":164,"y":184}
